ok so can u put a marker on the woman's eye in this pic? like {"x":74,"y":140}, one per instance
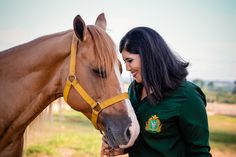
{"x":129,"y":60}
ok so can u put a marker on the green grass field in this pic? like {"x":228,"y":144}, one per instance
{"x":72,"y":135}
{"x":222,"y":135}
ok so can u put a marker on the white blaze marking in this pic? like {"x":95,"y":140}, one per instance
{"x":134,"y":128}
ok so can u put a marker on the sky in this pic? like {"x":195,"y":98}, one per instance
{"x":202,"y":32}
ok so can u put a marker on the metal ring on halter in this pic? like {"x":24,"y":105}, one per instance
{"x":71,"y":78}
{"x":97,"y":107}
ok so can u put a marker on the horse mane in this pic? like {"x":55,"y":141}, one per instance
{"x":104,"y":48}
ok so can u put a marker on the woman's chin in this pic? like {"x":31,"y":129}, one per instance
{"x":138,"y":80}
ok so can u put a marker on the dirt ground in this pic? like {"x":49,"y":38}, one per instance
{"x":222,"y":109}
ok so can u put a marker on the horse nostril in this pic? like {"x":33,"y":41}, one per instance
{"x":127,"y":134}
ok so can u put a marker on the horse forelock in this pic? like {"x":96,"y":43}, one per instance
{"x":105,"y":52}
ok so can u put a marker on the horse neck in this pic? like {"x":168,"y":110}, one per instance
{"x":31,"y":75}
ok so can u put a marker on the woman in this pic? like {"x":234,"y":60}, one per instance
{"x":171,"y":110}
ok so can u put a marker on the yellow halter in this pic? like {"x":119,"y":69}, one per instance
{"x":72,"y":81}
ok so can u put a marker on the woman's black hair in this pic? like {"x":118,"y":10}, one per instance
{"x":162,"y":71}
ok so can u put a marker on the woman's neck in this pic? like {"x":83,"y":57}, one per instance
{"x":144,"y":93}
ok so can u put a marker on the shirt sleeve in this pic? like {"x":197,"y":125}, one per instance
{"x":193,"y":123}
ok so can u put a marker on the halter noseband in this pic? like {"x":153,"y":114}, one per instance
{"x":97,"y":107}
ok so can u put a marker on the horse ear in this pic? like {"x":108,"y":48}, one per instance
{"x":80,"y":28}
{"x":101,"y":21}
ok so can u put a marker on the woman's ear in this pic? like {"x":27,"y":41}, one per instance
{"x":101,"y":21}
{"x":80,"y":28}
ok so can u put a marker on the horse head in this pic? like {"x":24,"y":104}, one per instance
{"x":94,"y":85}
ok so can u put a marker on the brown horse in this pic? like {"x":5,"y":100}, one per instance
{"x":36,"y":73}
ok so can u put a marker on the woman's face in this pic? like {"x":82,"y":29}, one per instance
{"x":133,"y":64}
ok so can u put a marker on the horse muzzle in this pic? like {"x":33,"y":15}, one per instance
{"x":120,"y":131}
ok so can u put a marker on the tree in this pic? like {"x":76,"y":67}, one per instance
{"x":199,"y":82}
{"x":210,"y":85}
{"x":234,"y":90}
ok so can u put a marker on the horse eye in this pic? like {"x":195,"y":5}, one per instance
{"x":100,"y":72}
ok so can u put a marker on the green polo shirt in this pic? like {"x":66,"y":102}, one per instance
{"x":177,"y":126}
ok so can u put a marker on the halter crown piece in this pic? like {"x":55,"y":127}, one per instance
{"x":72,"y":81}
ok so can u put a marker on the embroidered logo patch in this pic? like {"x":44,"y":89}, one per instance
{"x":153,"y":124}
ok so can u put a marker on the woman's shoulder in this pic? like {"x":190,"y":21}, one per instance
{"x":187,"y":86}
{"x":190,"y":92}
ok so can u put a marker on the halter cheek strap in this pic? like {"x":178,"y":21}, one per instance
{"x":72,"y":81}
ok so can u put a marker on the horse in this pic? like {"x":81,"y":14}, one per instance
{"x":80,"y":64}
